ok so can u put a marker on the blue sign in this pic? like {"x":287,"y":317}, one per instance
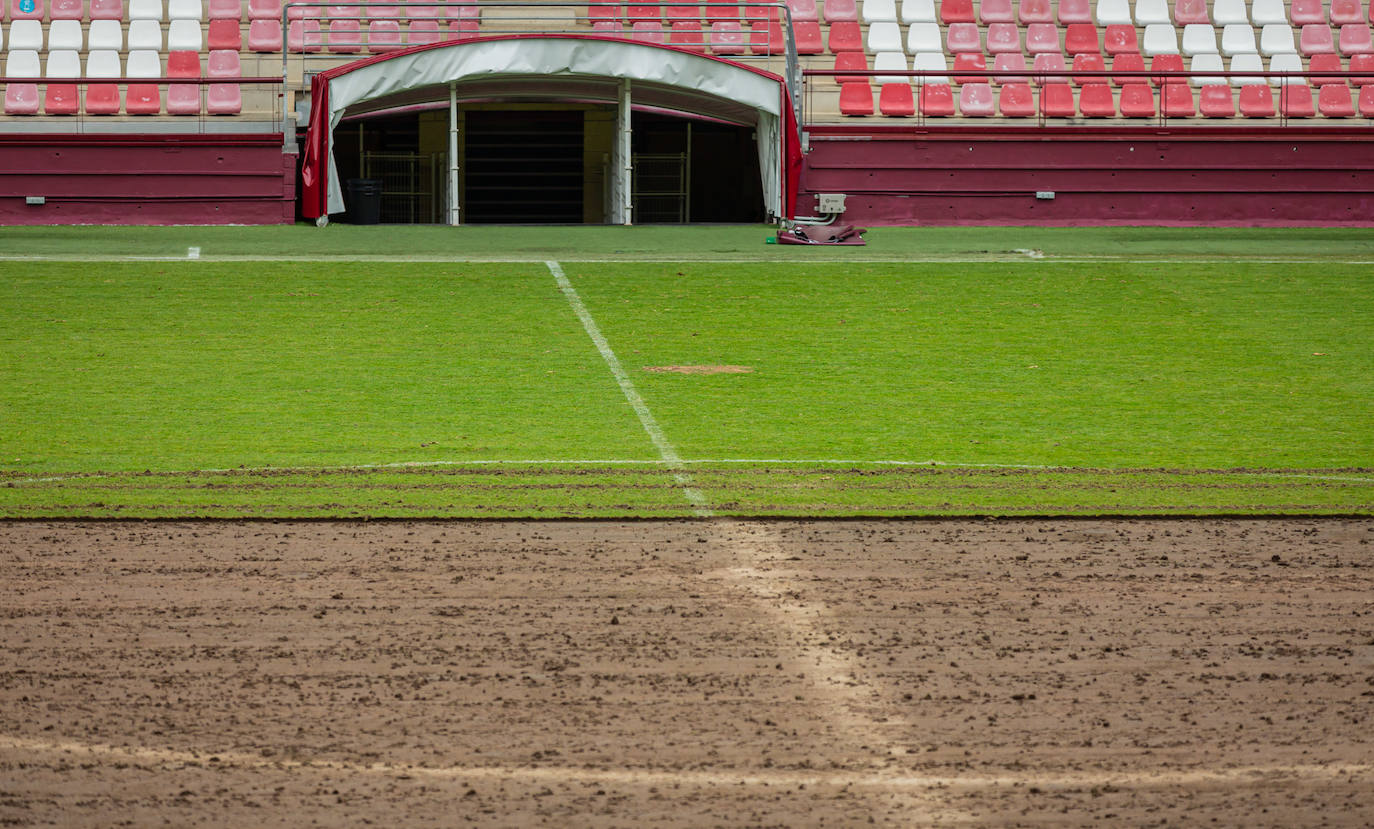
{"x":26,"y":6}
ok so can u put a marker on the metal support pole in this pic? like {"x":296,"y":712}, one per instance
{"x":626,"y":162}
{"x":453,"y":153}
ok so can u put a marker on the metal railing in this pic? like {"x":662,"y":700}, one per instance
{"x":65,"y":104}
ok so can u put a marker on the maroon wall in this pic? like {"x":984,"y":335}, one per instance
{"x":1184,"y":176}
{"x":146,"y":179}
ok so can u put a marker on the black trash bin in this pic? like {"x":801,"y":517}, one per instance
{"x":364,"y":201}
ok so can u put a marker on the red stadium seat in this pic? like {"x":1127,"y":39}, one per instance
{"x":808,"y":37}
{"x":1178,"y":100}
{"x":845,"y":37}
{"x":28,"y":9}
{"x":648,"y":31}
{"x":1215,"y":101}
{"x":727,"y":38}
{"x":1081,"y":38}
{"x":1034,"y":11}
{"x":976,"y":100}
{"x":1056,"y":101}
{"x":1075,"y":11}
{"x":611,"y":28}
{"x":1355,"y":39}
{"x":225,"y":34}
{"x":937,"y":100}
{"x":963,"y":37}
{"x":1316,"y":39}
{"x":956,"y":11}
{"x":1367,"y":101}
{"x":1095,"y":101}
{"x":1347,"y":11}
{"x":1042,"y":38}
{"x":1137,"y":100}
{"x":383,"y":36}
{"x":422,"y":31}
{"x":766,"y":39}
{"x":1088,"y":63}
{"x":1120,"y":39}
{"x":1015,"y":100}
{"x":469,"y":29}
{"x":1166,"y":63}
{"x":895,"y":100}
{"x":1361,"y":63}
{"x":841,"y":11}
{"x":970,"y":61}
{"x":1302,"y":12}
{"x":1128,"y":62}
{"x":223,"y":98}
{"x":1295,"y":101}
{"x":856,"y":99}
{"x":995,"y":11}
{"x":1334,"y":101}
{"x":1003,"y":37}
{"x":1256,"y":101}
{"x":183,"y":98}
{"x":1191,"y":11}
{"x":688,"y":34}
{"x":803,"y":11}
{"x":637,"y":14}
{"x":1013,"y":64}
{"x":1326,"y":63}
{"x":1049,"y":63}
{"x":850,"y":61}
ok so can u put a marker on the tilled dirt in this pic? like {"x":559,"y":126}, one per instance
{"x":688,"y":673}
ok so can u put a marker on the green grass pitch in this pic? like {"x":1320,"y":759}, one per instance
{"x":305,"y":372}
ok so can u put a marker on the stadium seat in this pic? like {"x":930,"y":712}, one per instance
{"x":918,"y":11}
{"x":806,"y":33}
{"x":1130,"y":62}
{"x":1056,"y":100}
{"x":1167,"y":63}
{"x":610,"y":28}
{"x":1191,"y":12}
{"x":107,"y":9}
{"x":1288,"y":62}
{"x":383,"y":36}
{"x":1095,"y":101}
{"x":995,"y":11}
{"x":1361,"y":63}
{"x":884,"y":37}
{"x":598,"y":12}
{"x":970,"y":62}
{"x":224,"y":10}
{"x":803,"y":11}
{"x":183,"y":98}
{"x":1295,"y":100}
{"x":301,"y":35}
{"x":840,"y":11}
{"x":644,"y":14}
{"x":676,"y":14}
{"x":265,"y":35}
{"x":1347,"y":11}
{"x":1215,"y":101}
{"x":1268,"y":12}
{"x":1042,"y":38}
{"x":183,"y":35}
{"x":856,"y":99}
{"x":27,"y":10}
{"x":1160,"y":39}
{"x":1015,"y":100}
{"x":1088,"y":63}
{"x":1034,"y":11}
{"x":1114,"y":12}
{"x":976,"y":100}
{"x":66,"y":10}
{"x":184,"y":10}
{"x":1276,"y":38}
{"x":930,"y":62}
{"x":845,"y":37}
{"x":937,"y":100}
{"x":1334,"y":101}
{"x":1302,"y":12}
{"x":1315,"y":39}
{"x":143,"y":98}
{"x":26,"y":35}
{"x":145,"y":10}
{"x":1080,"y":38}
{"x":648,"y":31}
{"x":1003,"y":37}
{"x":727,"y":38}
{"x":1177,"y":100}
{"x":889,"y":62}
{"x":895,"y":100}
{"x":767,"y":39}
{"x":1013,"y":67}
{"x":1206,"y":63}
{"x":1137,"y":101}
{"x":1366,"y":103}
{"x":345,"y":37}
{"x":103,"y":98}
{"x":924,"y":37}
{"x":1075,"y":11}
{"x":879,"y":11}
{"x":1237,"y":39}
{"x":1257,"y":101}
{"x":66,"y":34}
{"x":105,"y":34}
{"x":145,"y":34}
{"x":1046,"y":64}
{"x":1229,"y":12}
{"x":271,"y":10}
{"x":467,"y":28}
{"x":1199,"y":39}
{"x":1248,"y":62}
{"x":224,"y":34}
{"x":21,"y":98}
{"x":1355,"y":39}
{"x":1153,"y":13}
{"x":1324,"y":63}
{"x":1120,"y":39}
{"x":419,"y":32}
{"x":956,"y":11}
{"x":62,"y":98}
{"x":688,"y":34}
{"x":850,"y":61}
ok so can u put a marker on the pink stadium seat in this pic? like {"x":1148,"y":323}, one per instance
{"x":265,"y":35}
{"x":1316,"y":39}
{"x":21,"y":99}
{"x":469,"y":29}
{"x":995,"y":11}
{"x":1256,"y":101}
{"x":1129,"y":62}
{"x":967,"y":62}
{"x":1190,"y":11}
{"x":183,"y":98}
{"x":1295,"y":101}
{"x":1075,"y":11}
{"x":610,"y":28}
{"x":841,"y":11}
{"x":856,"y":99}
{"x":1121,"y":39}
{"x":1056,"y":100}
{"x":107,"y":9}
{"x":937,"y":100}
{"x":845,"y":37}
{"x":143,"y":99}
{"x":468,"y":11}
{"x":688,"y":34}
{"x":383,"y":36}
{"x":1355,"y":39}
{"x":762,"y":14}
{"x":345,"y":36}
{"x":1080,"y":38}
{"x":28,"y":9}
{"x":963,"y":37}
{"x":727,"y":38}
{"x":67,"y":9}
{"x":808,"y":37}
{"x":604,"y":11}
{"x":648,"y":31}
{"x":226,"y":34}
{"x":728,"y":13}
{"x":1361,"y":63}
{"x":1326,"y":63}
{"x":271,"y":10}
{"x":1137,"y":100}
{"x":1347,"y":11}
{"x":637,"y":14}
{"x":1166,"y":63}
{"x":766,"y":39}
{"x":850,"y":61}
{"x":1334,"y":101}
{"x":1012,"y":63}
{"x":62,"y":98}
{"x":1302,"y":12}
{"x":301,"y":35}
{"x":1003,"y":37}
{"x":224,"y":10}
{"x":803,"y":11}
{"x":1095,"y":101}
{"x":1048,"y":63}
{"x":1215,"y":101}
{"x":976,"y":100}
{"x":1178,"y":100}
{"x":1088,"y":63}
{"x":895,"y":100}
{"x":419,"y":32}
{"x":1367,"y":101}
{"x":956,"y":11}
{"x":1042,"y":38}
{"x":1015,"y":100}
{"x":1034,"y":11}
{"x":420,"y":10}
{"x":690,"y":13}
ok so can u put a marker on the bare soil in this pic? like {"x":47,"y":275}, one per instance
{"x":688,"y":673}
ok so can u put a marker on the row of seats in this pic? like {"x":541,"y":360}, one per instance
{"x":1103,"y":12}
{"x":22,"y":98}
{"x":107,"y":9}
{"x":1098,"y":100}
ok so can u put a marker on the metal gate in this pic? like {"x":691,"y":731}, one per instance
{"x":659,"y":192}
{"x":414,"y":186}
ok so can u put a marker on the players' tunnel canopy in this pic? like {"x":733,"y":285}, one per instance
{"x":556,"y":67}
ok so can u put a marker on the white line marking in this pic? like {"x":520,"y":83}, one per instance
{"x":193,"y":253}
{"x":627,"y":387}
{"x":1150,"y":778}
{"x":894,"y":258}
